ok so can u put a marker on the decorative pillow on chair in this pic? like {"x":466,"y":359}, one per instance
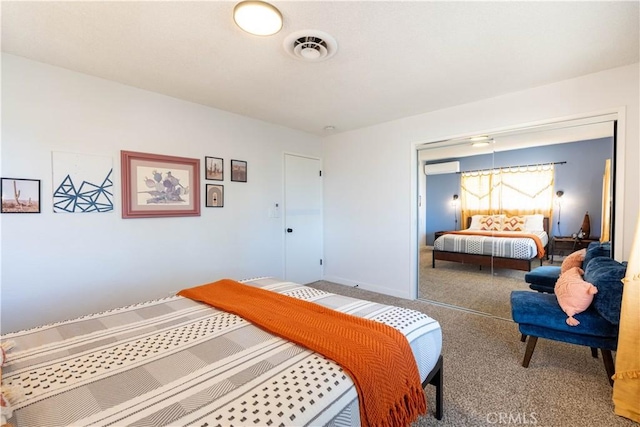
{"x":513,"y":223}
{"x":573,"y":260}
{"x":595,"y":250}
{"x":607,"y":274}
{"x":574,"y":294}
{"x":491,"y":223}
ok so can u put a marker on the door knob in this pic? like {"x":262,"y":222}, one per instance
{"x":289,"y":230}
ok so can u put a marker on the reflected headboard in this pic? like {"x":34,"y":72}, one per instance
{"x":545,"y":223}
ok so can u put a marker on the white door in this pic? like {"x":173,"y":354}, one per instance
{"x":303,"y":219}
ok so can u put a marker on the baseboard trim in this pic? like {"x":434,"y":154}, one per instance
{"x":466,"y":310}
{"x":366,"y":287}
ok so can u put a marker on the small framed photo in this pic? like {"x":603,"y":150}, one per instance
{"x":155,"y":185}
{"x":215,"y":196}
{"x":20,"y":195}
{"x":214,"y":168}
{"x":238,"y":170}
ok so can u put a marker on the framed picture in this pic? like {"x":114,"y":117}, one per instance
{"x":155,"y":185}
{"x":20,"y":195}
{"x":214,"y":168}
{"x":238,"y":170}
{"x":82,"y":183}
{"x":215,"y":196}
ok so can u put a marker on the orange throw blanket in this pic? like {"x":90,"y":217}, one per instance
{"x":376,"y":356}
{"x":539,"y":245}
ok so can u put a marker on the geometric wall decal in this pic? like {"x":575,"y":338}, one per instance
{"x":82,"y":183}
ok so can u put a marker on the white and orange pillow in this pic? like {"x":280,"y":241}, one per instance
{"x":513,"y":223}
{"x":491,"y":223}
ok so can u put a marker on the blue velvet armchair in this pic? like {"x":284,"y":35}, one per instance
{"x":539,"y":315}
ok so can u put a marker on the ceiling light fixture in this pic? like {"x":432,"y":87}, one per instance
{"x":257,"y":17}
{"x":480,"y":144}
{"x":478,"y":138}
{"x":481,"y":141}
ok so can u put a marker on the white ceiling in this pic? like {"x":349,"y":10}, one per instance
{"x":395,"y":59}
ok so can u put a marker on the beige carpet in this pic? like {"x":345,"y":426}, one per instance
{"x":467,"y":286}
{"x":485,"y":384}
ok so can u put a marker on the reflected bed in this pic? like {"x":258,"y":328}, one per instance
{"x":504,"y":249}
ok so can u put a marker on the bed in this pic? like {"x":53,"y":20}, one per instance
{"x":500,"y":250}
{"x":175,"y":361}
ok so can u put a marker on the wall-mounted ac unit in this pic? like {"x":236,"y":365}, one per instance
{"x":440,"y":168}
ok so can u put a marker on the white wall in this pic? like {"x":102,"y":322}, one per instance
{"x":370,"y":212}
{"x":58,"y":266}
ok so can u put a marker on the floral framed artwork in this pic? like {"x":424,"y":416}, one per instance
{"x":20,"y":195}
{"x":155,"y":185}
{"x":214,"y":168}
{"x":214,"y":197}
{"x":238,"y":170}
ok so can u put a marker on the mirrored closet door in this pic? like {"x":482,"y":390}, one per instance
{"x":545,"y":182}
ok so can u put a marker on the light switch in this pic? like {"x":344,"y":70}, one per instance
{"x":274,"y":211}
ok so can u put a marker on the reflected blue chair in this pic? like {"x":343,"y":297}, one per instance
{"x":543,"y":278}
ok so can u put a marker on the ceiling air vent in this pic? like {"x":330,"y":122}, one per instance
{"x":310,"y":45}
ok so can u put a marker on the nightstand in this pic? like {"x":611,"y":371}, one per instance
{"x":564,"y":245}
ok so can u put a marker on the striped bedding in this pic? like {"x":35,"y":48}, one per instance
{"x":175,"y":361}
{"x":505,"y":247}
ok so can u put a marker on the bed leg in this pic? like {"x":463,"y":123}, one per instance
{"x":435,"y":378}
{"x":433,"y":258}
{"x":437,"y":381}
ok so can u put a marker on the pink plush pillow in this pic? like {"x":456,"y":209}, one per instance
{"x":573,"y":260}
{"x":574,"y":294}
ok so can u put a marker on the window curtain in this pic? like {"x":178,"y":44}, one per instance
{"x":511,"y":191}
{"x":626,"y":387}
{"x":479,"y":194}
{"x":605,"y":228}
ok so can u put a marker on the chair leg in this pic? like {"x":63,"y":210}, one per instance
{"x":531,"y":345}
{"x":608,"y":364}
{"x":594,"y":352}
{"x":523,"y":338}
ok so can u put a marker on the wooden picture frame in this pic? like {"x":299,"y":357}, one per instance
{"x":214,"y":196}
{"x":238,"y":170}
{"x":214,"y":168}
{"x":155,"y":185}
{"x":20,"y":195}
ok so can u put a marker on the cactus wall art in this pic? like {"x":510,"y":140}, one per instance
{"x":20,"y":195}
